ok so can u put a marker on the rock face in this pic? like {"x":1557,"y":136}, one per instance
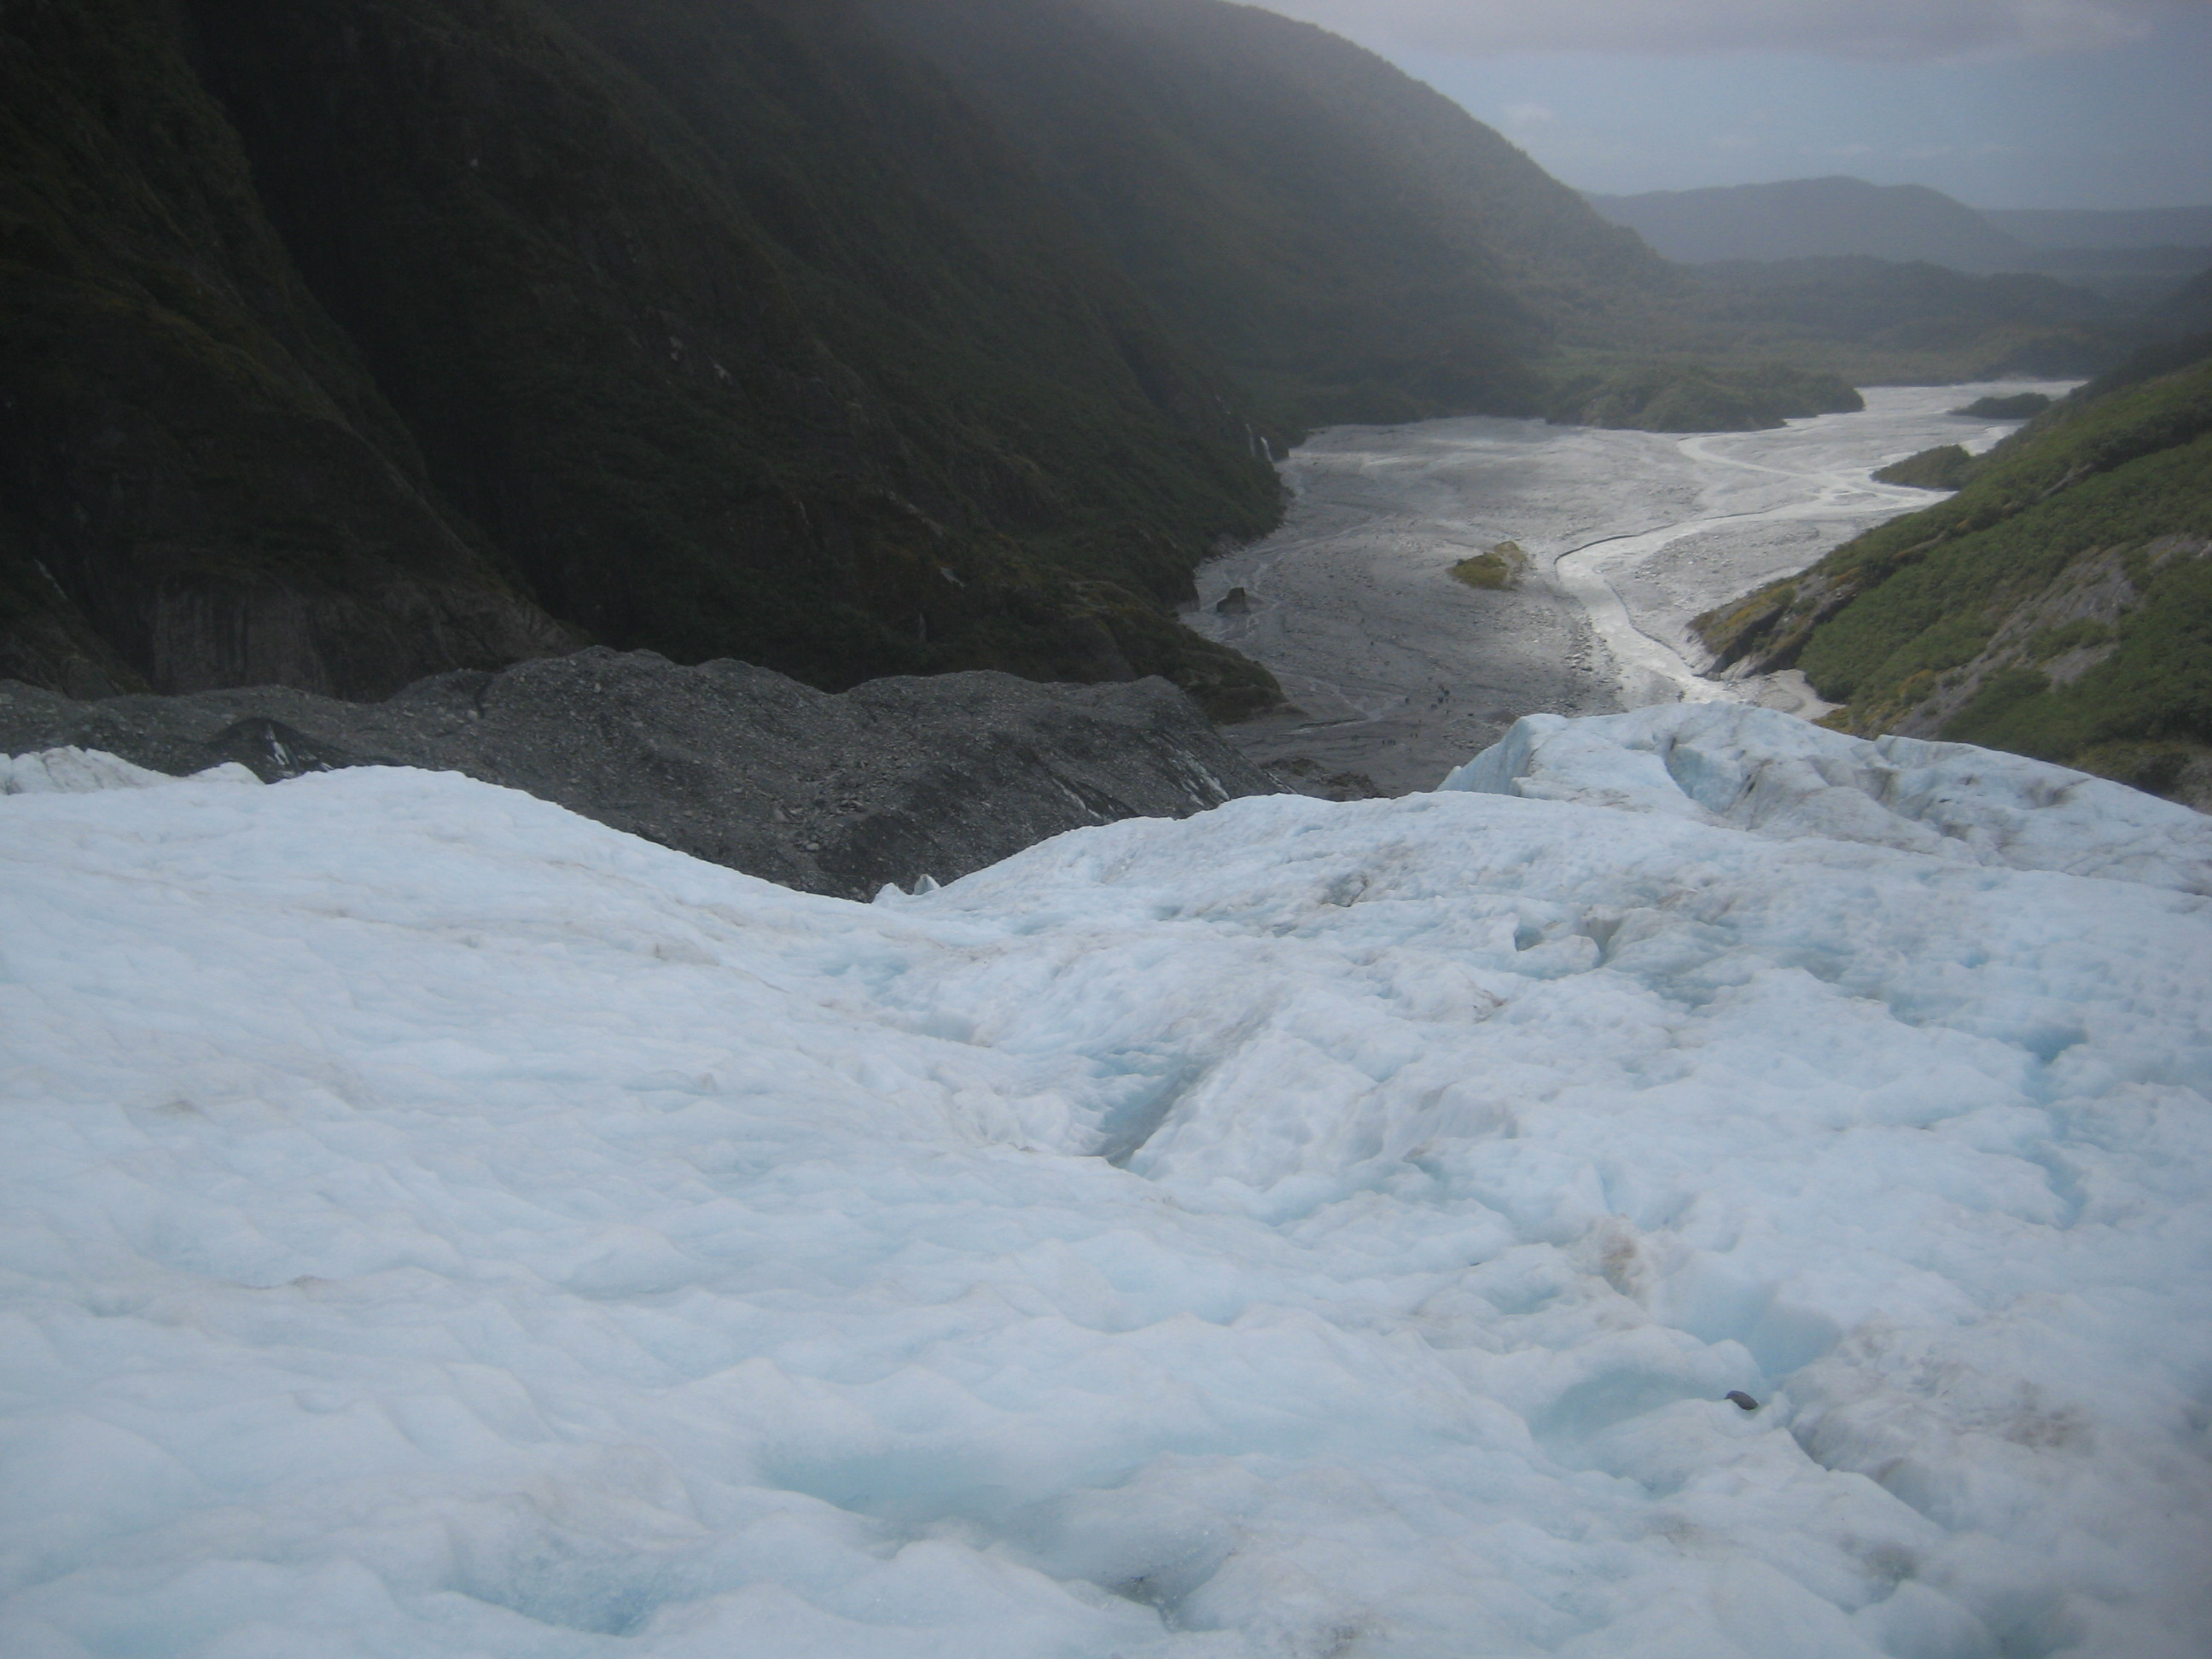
{"x":893,"y":780}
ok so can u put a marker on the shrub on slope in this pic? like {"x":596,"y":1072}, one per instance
{"x":1944,"y":467}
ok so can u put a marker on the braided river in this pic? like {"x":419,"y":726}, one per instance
{"x":1397,"y":672}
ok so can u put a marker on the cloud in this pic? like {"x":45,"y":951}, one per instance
{"x":1881,"y":30}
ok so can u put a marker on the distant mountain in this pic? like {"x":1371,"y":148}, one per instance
{"x":2136,"y":255}
{"x":2136,"y":276}
{"x":2104,"y":227}
{"x":1812,"y":218}
{"x":1914,"y":321}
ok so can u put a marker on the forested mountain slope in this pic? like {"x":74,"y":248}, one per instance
{"x":715,"y":331}
{"x":1355,"y":243}
{"x":349,"y":340}
{"x":1878,"y":320}
{"x":2059,"y":605}
{"x":200,"y":482}
{"x":2105,"y":228}
{"x":2188,"y":308}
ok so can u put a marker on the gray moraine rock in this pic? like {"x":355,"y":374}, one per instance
{"x":893,"y":780}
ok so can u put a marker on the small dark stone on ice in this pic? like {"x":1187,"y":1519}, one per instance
{"x":1234,"y":603}
{"x":1739,"y":1397}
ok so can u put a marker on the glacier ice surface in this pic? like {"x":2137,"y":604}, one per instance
{"x":1761,"y":770}
{"x":436,"y":1224}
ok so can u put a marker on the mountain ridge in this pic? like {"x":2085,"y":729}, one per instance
{"x":1816,"y":218}
{"x":1161,"y":123}
{"x":2134,"y":256}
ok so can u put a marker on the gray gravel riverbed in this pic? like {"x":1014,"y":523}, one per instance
{"x":1398,"y":673}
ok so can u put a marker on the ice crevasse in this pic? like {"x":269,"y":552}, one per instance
{"x":436,"y":1224}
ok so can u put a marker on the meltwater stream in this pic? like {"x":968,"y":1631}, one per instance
{"x":1398,"y":673}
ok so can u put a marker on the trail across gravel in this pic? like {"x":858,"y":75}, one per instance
{"x":1398,"y":672}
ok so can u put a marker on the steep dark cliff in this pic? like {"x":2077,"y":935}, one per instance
{"x":336,"y":329}
{"x":739,"y":333}
{"x":199,"y":482}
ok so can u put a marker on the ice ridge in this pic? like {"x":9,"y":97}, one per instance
{"x":1759,"y":769}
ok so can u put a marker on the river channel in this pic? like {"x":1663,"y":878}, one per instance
{"x":1397,"y":672}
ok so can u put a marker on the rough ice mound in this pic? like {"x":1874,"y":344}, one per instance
{"x":1761,"y":770}
{"x":434,"y":1225}
{"x":83,"y":771}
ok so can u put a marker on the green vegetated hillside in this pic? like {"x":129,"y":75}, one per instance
{"x":1698,"y":397}
{"x":2059,"y":605}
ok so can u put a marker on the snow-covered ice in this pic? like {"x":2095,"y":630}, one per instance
{"x":83,"y":771}
{"x":1761,"y":770}
{"x":436,"y":1224}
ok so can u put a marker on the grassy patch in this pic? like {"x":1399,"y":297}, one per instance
{"x":2020,"y":406}
{"x":1501,"y":567}
{"x":2069,"y":636}
{"x":1946,"y":467}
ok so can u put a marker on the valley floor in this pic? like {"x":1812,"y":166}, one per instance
{"x":1399,"y":673}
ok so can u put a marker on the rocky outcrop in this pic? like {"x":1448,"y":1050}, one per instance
{"x":891,"y":781}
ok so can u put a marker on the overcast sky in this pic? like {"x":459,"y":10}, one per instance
{"x":2001,"y":103}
